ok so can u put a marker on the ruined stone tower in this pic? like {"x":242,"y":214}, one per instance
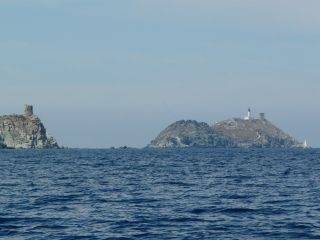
{"x":28,"y":110}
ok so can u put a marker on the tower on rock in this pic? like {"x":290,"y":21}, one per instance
{"x":262,"y":116}
{"x":28,"y":110}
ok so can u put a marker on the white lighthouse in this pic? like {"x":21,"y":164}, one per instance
{"x":248,"y":117}
{"x":305,"y":144}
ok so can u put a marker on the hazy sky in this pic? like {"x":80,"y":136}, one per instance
{"x":116,"y":72}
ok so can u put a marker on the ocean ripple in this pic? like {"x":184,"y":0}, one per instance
{"x":160,"y":194}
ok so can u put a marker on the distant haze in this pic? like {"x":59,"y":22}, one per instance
{"x":112,"y":73}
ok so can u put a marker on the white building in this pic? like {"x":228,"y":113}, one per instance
{"x":248,"y":117}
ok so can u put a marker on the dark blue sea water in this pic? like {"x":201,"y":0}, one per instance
{"x":160,"y":194}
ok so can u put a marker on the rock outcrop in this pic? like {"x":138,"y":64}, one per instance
{"x":236,"y":132}
{"x":24,"y":131}
{"x":255,"y":133}
{"x":190,"y":134}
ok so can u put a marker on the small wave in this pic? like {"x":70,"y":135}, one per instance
{"x":183,"y":184}
{"x":300,"y":226}
{"x":8,"y":220}
{"x":235,"y":196}
{"x":238,"y":210}
{"x":185,"y":219}
{"x":287,"y":171}
{"x":49,"y":227}
{"x":199,"y":210}
{"x":56,"y":199}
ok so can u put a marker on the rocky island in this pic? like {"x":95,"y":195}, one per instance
{"x":235,"y":132}
{"x":190,"y":134}
{"x":24,"y":131}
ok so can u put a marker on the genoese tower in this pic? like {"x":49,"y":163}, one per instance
{"x":28,"y":110}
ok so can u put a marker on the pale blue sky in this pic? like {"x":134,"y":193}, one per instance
{"x":116,"y":72}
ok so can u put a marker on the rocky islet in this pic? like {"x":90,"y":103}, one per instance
{"x":25,"y":131}
{"x":235,"y":132}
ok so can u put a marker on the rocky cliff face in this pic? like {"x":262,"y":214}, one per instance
{"x":24,"y":131}
{"x":189,"y":134}
{"x":255,"y":133}
{"x":229,"y":133}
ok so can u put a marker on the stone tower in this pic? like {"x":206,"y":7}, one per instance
{"x":28,"y":110}
{"x":262,"y":116}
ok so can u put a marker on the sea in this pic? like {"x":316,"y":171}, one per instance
{"x":196,"y":193}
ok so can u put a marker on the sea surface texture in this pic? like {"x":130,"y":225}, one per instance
{"x":160,"y":194}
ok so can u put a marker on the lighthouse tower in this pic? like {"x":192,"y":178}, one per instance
{"x":248,"y":117}
{"x":305,"y":144}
